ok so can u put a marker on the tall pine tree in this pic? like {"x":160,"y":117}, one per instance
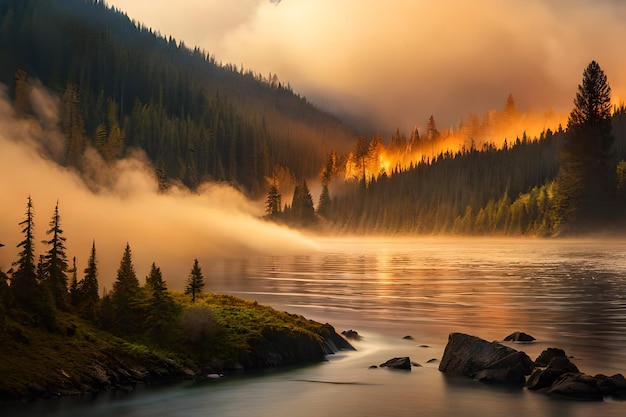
{"x":24,"y":279}
{"x":195,"y":282}
{"x":586,"y":179}
{"x":55,"y":262}
{"x":125,"y":295}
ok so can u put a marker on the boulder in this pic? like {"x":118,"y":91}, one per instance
{"x":576,"y":385}
{"x":351,"y":334}
{"x":546,"y":356}
{"x":544,"y":378}
{"x":614,"y":386}
{"x":398,"y":363}
{"x":519,"y":337}
{"x":477,"y":358}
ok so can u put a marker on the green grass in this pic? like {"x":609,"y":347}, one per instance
{"x":32,"y":356}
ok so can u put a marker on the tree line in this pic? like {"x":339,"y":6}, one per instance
{"x":569,"y":181}
{"x":46,"y":285}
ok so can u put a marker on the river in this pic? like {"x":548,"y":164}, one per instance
{"x":566,"y":293}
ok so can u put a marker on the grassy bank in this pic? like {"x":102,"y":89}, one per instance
{"x":217,"y":333}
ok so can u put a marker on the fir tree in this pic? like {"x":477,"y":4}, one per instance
{"x":55,"y":262}
{"x":24,"y":282}
{"x":195,"y":282}
{"x":74,"y":296}
{"x":88,"y":287}
{"x":125,"y":295}
{"x":586,"y":180}
{"x":273,"y":202}
{"x":325,"y":203}
{"x":161,"y":306}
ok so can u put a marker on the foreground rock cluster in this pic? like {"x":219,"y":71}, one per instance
{"x":552,"y":372}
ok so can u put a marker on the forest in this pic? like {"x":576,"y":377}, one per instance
{"x":124,"y":86}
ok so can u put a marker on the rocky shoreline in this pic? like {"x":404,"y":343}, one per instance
{"x":117,"y":370}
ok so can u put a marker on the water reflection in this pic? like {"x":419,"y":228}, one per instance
{"x":563,"y":291}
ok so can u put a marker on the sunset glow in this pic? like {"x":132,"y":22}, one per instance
{"x":392,"y":64}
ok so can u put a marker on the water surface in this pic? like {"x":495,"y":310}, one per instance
{"x":568,"y":294}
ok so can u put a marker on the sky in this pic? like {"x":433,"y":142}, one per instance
{"x":394,"y":63}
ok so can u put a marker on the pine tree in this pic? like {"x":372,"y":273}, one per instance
{"x":74,"y":296}
{"x":24,"y":282}
{"x":195,"y":282}
{"x":55,"y":262}
{"x":302,"y":212}
{"x":273,"y":202}
{"x":88,"y":287}
{"x":161,"y":306}
{"x":125,"y":295}
{"x":586,"y":179}
{"x":325,"y":202}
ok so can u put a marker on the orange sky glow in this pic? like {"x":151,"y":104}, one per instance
{"x":395,"y":63}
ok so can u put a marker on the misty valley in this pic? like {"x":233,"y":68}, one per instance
{"x":185,"y":236}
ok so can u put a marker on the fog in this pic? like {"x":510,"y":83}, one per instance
{"x":394,"y":63}
{"x":120,"y":204}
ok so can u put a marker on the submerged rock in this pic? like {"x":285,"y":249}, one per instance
{"x":351,"y":334}
{"x":398,"y":363}
{"x":546,"y":356}
{"x":578,"y":386}
{"x":519,"y":337}
{"x":544,"y":378}
{"x":477,"y":358}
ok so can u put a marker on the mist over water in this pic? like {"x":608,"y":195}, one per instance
{"x":118,"y":203}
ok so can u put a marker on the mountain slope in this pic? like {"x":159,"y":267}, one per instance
{"x":123,"y":85}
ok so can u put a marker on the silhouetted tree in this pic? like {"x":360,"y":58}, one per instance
{"x":586,"y":180}
{"x":161,"y":306}
{"x":195,"y":282}
{"x":125,"y":294}
{"x":55,"y":262}
{"x":24,"y":280}
{"x":273,"y":202}
{"x":88,"y":287}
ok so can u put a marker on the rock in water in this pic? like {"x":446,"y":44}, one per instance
{"x":578,"y":386}
{"x":546,"y":356}
{"x":519,"y":337}
{"x":398,"y":363}
{"x":543,"y":378}
{"x":477,"y":358}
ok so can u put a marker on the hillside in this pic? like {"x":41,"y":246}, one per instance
{"x":123,"y":85}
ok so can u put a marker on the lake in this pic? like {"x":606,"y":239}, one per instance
{"x":566,"y":293}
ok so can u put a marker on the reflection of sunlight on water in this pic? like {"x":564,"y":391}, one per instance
{"x":567,"y":294}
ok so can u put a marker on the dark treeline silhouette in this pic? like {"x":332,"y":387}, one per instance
{"x":571,"y":181}
{"x":123,"y":85}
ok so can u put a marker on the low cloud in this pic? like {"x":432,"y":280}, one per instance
{"x":120,"y":205}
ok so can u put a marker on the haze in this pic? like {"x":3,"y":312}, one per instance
{"x":120,"y":204}
{"x":396,"y":62}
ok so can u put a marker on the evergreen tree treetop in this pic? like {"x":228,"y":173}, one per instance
{"x":593,"y":99}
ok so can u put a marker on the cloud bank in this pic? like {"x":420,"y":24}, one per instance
{"x":170,"y":229}
{"x":397,"y":62}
